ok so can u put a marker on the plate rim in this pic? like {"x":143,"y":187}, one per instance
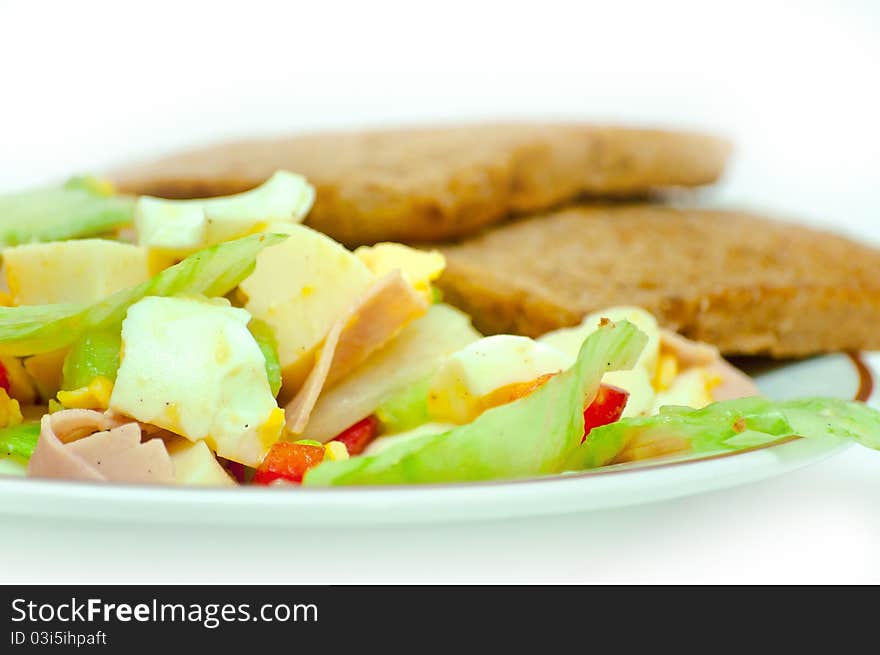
{"x":196,"y":497}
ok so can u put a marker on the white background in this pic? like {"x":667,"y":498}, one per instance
{"x":86,"y":85}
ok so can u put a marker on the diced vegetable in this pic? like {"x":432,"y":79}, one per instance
{"x":19,"y":441}
{"x":534,"y":435}
{"x":358,"y":436}
{"x":637,"y":380}
{"x":288,"y":461}
{"x":4,"y":379}
{"x":83,"y":207}
{"x":95,"y":354}
{"x":607,"y":407}
{"x":726,"y":426}
{"x":335,"y":451}
{"x":406,"y":409}
{"x":268,"y":343}
{"x":211,"y":272}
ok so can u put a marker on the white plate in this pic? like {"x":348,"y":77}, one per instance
{"x":834,"y":375}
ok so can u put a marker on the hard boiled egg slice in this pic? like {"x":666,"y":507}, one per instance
{"x":191,"y":366}
{"x":693,"y":388}
{"x":179,"y":227}
{"x":469,"y":380}
{"x":636,"y":381}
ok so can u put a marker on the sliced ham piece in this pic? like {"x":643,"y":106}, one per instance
{"x":387,"y":307}
{"x":733,"y":382}
{"x":689,"y":353}
{"x":78,"y":444}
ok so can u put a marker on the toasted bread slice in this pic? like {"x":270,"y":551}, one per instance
{"x":749,"y":285}
{"x":442,"y":183}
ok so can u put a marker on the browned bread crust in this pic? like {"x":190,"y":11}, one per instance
{"x":746,"y":284}
{"x":441,"y":183}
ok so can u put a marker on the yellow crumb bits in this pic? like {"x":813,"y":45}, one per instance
{"x":335,"y":451}
{"x":667,"y":370}
{"x":10,"y":410}
{"x":95,"y":396}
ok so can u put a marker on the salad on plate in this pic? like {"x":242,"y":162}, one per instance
{"x":220,"y":342}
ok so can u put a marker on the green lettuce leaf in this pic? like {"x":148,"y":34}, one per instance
{"x":528,"y":437}
{"x":94,"y":354}
{"x":265,"y":337}
{"x":214,"y":271}
{"x":19,"y":441}
{"x":730,"y":425}
{"x":406,"y":409}
{"x":81,"y":208}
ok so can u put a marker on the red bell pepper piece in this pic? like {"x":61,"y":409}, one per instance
{"x":236,"y":470}
{"x":4,"y":379}
{"x":358,"y":436}
{"x":288,"y":461}
{"x":607,"y":407}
